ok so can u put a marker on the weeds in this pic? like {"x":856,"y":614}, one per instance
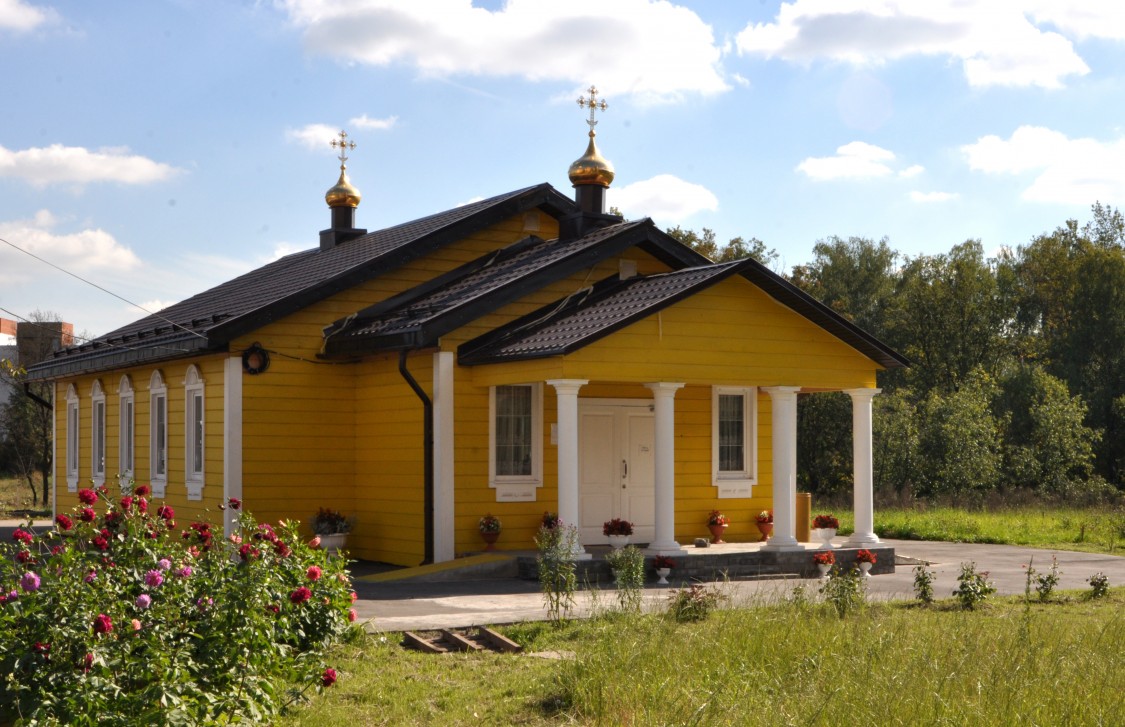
{"x":924,"y":583}
{"x":629,"y":566}
{"x":557,"y":573}
{"x":973,"y":587}
{"x":693,"y":604}
{"x":1099,"y":585}
{"x":844,"y":590}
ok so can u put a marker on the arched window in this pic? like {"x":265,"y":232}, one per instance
{"x":195,"y":454}
{"x":158,"y":434}
{"x":72,"y":406}
{"x":97,"y":433}
{"x":126,"y":434}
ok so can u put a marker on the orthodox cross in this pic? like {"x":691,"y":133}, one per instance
{"x":594,"y":104}
{"x":344,"y":146}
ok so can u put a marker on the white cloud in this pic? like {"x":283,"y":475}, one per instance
{"x":1069,"y":171}
{"x":912,"y":171}
{"x":363,"y":122}
{"x":664,"y":197}
{"x":74,"y":164}
{"x":650,"y":49}
{"x":856,"y":160}
{"x":998,"y":43}
{"x":313,"y":136}
{"x":152,"y":306}
{"x":20,"y":16}
{"x":78,"y":252}
{"x":932,"y":196}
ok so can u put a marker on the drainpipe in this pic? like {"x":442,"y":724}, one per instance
{"x":428,"y":453}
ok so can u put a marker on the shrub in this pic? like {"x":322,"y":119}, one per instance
{"x":1099,"y":585}
{"x":1045,"y":582}
{"x":843,"y":590}
{"x":924,"y":583}
{"x":116,"y":620}
{"x":694,"y":603}
{"x":557,"y":575}
{"x":973,"y":588}
{"x":629,"y":565}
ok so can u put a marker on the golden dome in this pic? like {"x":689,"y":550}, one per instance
{"x":343,"y":194}
{"x":591,"y":167}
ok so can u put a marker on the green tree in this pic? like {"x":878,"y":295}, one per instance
{"x":855,"y":277}
{"x":894,"y":429}
{"x":959,"y":446}
{"x":736,"y":249}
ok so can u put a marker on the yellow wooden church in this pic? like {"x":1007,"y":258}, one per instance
{"x":525,"y":353}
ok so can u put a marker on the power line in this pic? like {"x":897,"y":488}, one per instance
{"x":92,"y":340}
{"x":108,"y":292}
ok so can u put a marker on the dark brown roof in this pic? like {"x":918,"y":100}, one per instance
{"x":585,"y":317}
{"x":420,"y":316}
{"x":209,"y":320}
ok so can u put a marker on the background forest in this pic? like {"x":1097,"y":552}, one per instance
{"x":1017,"y":382}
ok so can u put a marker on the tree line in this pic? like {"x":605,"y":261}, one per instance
{"x":1017,"y":375}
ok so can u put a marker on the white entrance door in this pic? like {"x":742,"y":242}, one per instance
{"x":615,"y":466}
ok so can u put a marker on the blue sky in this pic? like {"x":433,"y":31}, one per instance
{"x":159,"y":147}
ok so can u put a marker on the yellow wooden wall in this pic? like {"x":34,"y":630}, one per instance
{"x":174,"y":373}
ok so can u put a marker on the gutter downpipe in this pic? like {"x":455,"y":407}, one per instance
{"x":428,"y":454}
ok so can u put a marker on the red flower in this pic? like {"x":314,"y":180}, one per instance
{"x":249,"y":552}
{"x":351,"y":614}
{"x":235,"y":503}
{"x":165,"y":512}
{"x":142,"y":491}
{"x":22,"y":536}
{"x":86,"y":663}
{"x":282,"y":549}
{"x":300,"y":595}
{"x":826,"y":522}
{"x":127,"y":503}
{"x":87,"y":496}
{"x":329,"y":677}
{"x":100,"y":542}
{"x":24,"y":556}
{"x":864,"y":555}
{"x":41,"y":648}
{"x":64,"y":522}
{"x":142,"y":505}
{"x":87,"y":514}
{"x":102,"y":624}
{"x":824,"y":557}
{"x":313,"y":573}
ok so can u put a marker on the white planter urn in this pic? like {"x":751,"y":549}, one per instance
{"x":864,"y":569}
{"x":823,"y":568}
{"x":334,"y":543}
{"x":617,"y":542}
{"x":663,"y":574}
{"x":825,"y":535}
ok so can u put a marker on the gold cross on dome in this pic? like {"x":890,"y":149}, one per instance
{"x":344,"y":145}
{"x":594,"y":104}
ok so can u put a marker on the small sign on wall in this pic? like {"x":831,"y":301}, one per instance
{"x":734,"y":490}
{"x":515,"y":493}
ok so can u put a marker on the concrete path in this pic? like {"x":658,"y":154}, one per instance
{"x":404,"y":605}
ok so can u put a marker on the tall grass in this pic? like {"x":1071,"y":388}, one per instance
{"x":767,"y":664}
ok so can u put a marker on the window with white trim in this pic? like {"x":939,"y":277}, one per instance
{"x":158,"y":434}
{"x":72,"y":449}
{"x":194,"y":451}
{"x":126,"y":435}
{"x":515,"y":462}
{"x":97,"y":434}
{"x":734,"y":439}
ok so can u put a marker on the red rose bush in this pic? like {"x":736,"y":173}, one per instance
{"x":112,"y":616}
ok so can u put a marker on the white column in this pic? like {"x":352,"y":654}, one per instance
{"x":862,"y":468}
{"x":443,"y":456}
{"x":664,"y":423}
{"x":232,"y":437}
{"x":784,"y":435}
{"x":566,"y":391}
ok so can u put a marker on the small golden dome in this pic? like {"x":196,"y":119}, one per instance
{"x":591,"y":167}
{"x":343,"y":194}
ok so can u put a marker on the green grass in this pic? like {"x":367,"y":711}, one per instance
{"x":771,"y":664}
{"x":15,"y":497}
{"x":1097,"y":530}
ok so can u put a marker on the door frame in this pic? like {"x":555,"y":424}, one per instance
{"x":612,"y":402}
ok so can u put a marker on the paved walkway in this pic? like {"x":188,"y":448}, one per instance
{"x":406,"y":605}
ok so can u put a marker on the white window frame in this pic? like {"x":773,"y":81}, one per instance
{"x":194,"y":433}
{"x":736,"y":483}
{"x":126,"y":429}
{"x":73,"y":423}
{"x":510,"y":487}
{"x":97,"y":433}
{"x":157,"y":420}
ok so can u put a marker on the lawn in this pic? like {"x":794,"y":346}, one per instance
{"x":15,"y":497}
{"x":791,"y":663}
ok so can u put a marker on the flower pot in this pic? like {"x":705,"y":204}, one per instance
{"x":823,"y":568}
{"x":490,"y":539}
{"x":766,"y":529}
{"x":663,"y":574}
{"x":825,"y":535}
{"x":717,"y":533}
{"x":334,"y":542}
{"x":864,"y":568}
{"x":617,"y":542}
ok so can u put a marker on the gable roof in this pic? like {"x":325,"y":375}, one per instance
{"x":209,"y":320}
{"x":579,"y":320}
{"x":418,"y":317}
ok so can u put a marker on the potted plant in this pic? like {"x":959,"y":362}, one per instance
{"x":717,"y":523}
{"x":764,"y":521}
{"x":489,"y":527}
{"x":663,"y":565}
{"x":864,"y":558}
{"x":550,"y":520}
{"x":824,"y":528}
{"x":618,"y":532}
{"x":332,"y":528}
{"x":824,"y":560}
